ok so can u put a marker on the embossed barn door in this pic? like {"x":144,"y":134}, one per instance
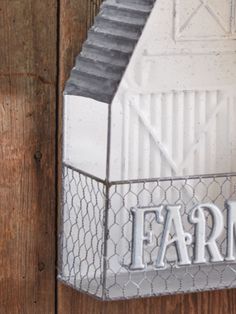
{"x":179,"y":111}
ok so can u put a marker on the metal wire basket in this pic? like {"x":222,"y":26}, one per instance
{"x":164,"y":109}
{"x":96,"y":236}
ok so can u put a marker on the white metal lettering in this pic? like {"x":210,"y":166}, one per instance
{"x":197,"y":217}
{"x":140,"y":236}
{"x":181,"y":239}
{"x":174,"y":234}
{"x":231,"y":231}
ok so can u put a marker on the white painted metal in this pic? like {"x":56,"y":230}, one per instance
{"x":174,"y":115}
{"x":85,"y":134}
{"x":177,"y":97}
{"x":200,"y":242}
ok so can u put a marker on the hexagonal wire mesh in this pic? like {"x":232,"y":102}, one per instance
{"x":96,"y":235}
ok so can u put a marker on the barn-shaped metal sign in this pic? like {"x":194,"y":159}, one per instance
{"x":149,"y":151}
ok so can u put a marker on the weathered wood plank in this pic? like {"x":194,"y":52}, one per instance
{"x":27,"y":155}
{"x":75,"y":18}
{"x":217,"y":302}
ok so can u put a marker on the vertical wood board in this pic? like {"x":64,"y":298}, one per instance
{"x":28,"y":56}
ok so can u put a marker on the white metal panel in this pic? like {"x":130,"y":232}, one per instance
{"x":85,"y":134}
{"x":177,"y":97}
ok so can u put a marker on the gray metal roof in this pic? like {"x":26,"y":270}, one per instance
{"x":106,"y":52}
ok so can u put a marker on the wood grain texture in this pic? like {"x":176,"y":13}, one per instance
{"x":217,"y":302}
{"x":75,"y":18}
{"x":28,"y":37}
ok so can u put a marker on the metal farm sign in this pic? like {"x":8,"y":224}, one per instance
{"x":182,"y":239}
{"x":149,"y":151}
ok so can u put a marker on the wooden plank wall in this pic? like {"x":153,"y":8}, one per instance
{"x":28,"y":50}
{"x":39,"y":40}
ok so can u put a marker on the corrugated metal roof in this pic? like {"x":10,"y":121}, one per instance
{"x":106,"y":52}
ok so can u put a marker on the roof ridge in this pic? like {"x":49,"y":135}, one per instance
{"x":111,"y":38}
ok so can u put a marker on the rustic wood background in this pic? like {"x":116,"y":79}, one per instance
{"x":39,"y":40}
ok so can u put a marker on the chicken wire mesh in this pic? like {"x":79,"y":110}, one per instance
{"x":97,"y":226}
